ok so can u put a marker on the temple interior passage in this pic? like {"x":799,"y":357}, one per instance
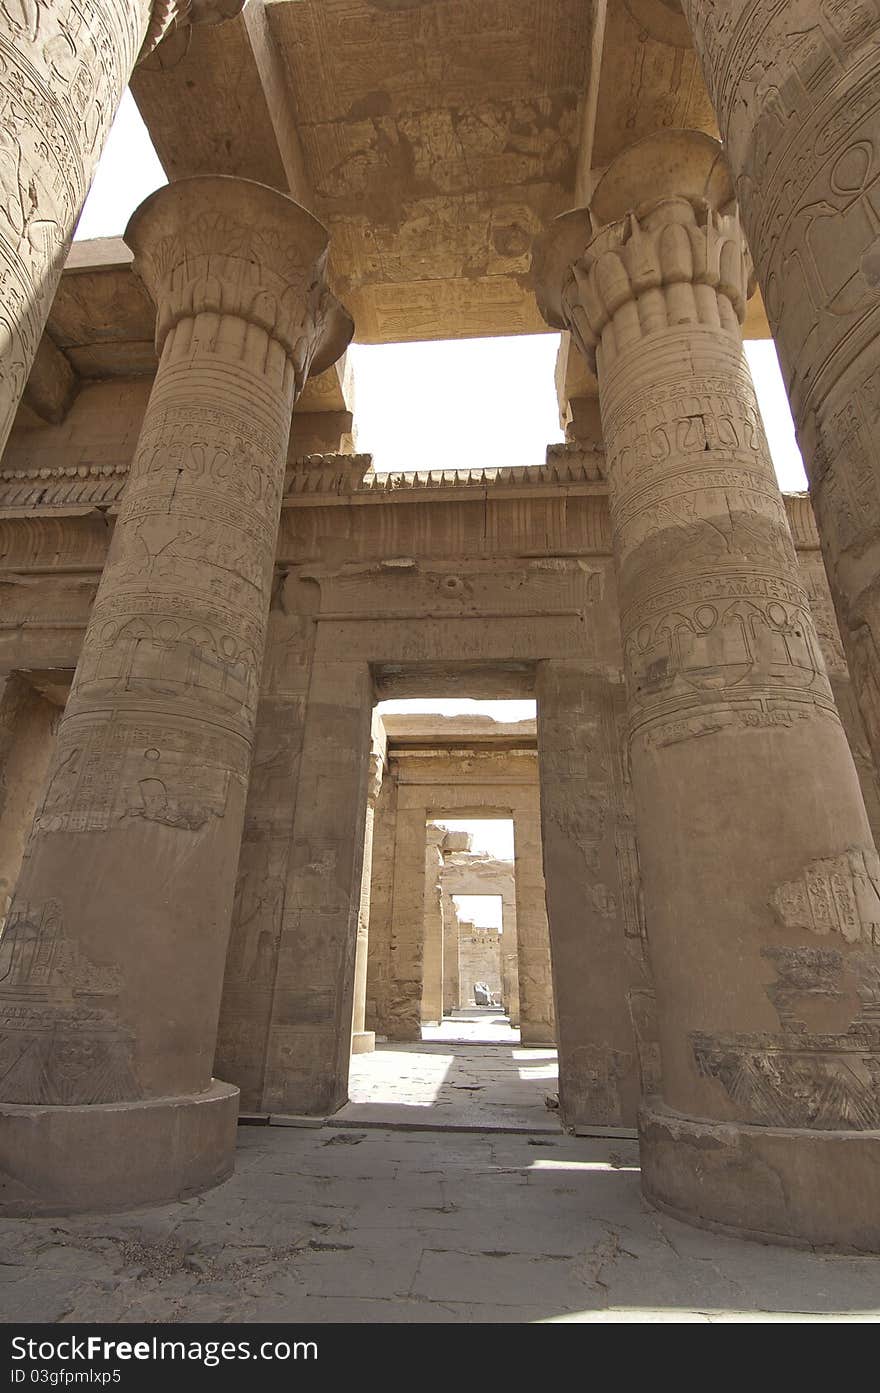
{"x":439,"y":810}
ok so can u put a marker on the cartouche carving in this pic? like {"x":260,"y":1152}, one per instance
{"x":837,"y":894}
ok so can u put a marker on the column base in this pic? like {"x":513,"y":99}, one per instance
{"x":107,"y":1157}
{"x":792,"y":1186}
{"x":363,"y":1042}
{"x":537,"y":1035}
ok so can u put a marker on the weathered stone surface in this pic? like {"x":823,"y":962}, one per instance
{"x":595,"y":908}
{"x":115,"y":939}
{"x":752,"y":829}
{"x":793,"y":89}
{"x":64,"y":71}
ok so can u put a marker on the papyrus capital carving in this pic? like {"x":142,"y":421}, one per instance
{"x":660,"y":245}
{"x":220,"y":246}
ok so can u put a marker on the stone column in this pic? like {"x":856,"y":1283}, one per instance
{"x":309,"y":1043}
{"x":113,"y":956}
{"x":432,"y":950}
{"x":381,"y":906}
{"x":510,"y":956}
{"x":27,"y":735}
{"x":793,"y":86}
{"x":597,"y":940}
{"x":759,"y":873}
{"x":263,"y":860}
{"x":403,"y":1007}
{"x":536,"y":1016}
{"x":363,"y":1041}
{"x":451,"y":968}
{"x":63,"y":69}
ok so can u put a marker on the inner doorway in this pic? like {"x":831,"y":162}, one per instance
{"x":455,"y":864}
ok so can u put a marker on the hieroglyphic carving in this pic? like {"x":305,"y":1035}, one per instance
{"x":835,"y":894}
{"x":60,"y":1037}
{"x":643,"y":1013}
{"x":595,"y":1072}
{"x":156,"y":740}
{"x":63,"y":67}
{"x":804,"y":975}
{"x":823,"y":1081}
{"x":724,"y":667}
{"x":106,"y":771}
{"x":795,"y":91}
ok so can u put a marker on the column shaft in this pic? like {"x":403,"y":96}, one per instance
{"x":761,"y":881}
{"x":363,"y":1040}
{"x":381,"y":905}
{"x":404,"y":1015}
{"x":510,"y":957}
{"x":116,"y":940}
{"x":432,"y":951}
{"x":451,"y":968}
{"x":309,"y":1042}
{"x":793,"y":86}
{"x":597,"y":932}
{"x":258,"y":907}
{"x":536,"y":1015}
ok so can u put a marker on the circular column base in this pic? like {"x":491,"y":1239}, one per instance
{"x":793,"y":1186}
{"x":363,"y":1042}
{"x":106,"y":1157}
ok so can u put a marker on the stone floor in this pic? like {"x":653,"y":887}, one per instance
{"x":366,"y":1221}
{"x":443,"y":1083}
{"x":372,"y":1225}
{"x":481,"y":1024}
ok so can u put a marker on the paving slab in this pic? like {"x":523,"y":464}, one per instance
{"x":425,"y":1227}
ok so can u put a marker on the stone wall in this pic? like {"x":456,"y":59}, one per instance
{"x":479,"y":957}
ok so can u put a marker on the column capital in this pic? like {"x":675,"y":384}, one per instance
{"x":660,"y":245}
{"x":166,"y":15}
{"x":216,"y":244}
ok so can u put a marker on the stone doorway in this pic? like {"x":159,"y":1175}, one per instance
{"x":457,"y":926}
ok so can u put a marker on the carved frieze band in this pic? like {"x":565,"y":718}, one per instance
{"x":335,"y":474}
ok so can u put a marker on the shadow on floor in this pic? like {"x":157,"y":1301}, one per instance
{"x":448,"y":1084}
{"x":382,"y":1226}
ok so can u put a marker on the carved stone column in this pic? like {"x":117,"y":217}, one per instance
{"x":537,"y":1022}
{"x":597,"y":938}
{"x":451,"y":966}
{"x":510,"y":955}
{"x":112,"y":962}
{"x":63,"y":69}
{"x":432,"y":947}
{"x":379,"y":970}
{"x":363,"y":1041}
{"x":759,"y":873}
{"x":794,"y":83}
{"x":264,"y":855}
{"x":403,"y":1014}
{"x":308,"y":1050}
